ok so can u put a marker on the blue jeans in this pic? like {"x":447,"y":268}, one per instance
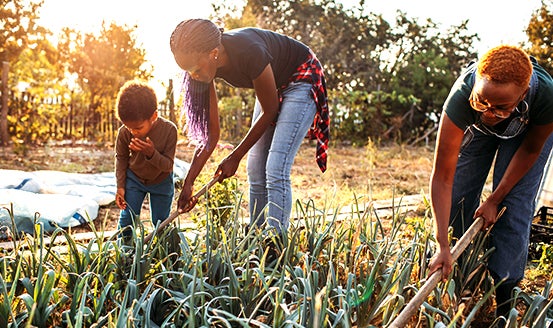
{"x":510,"y":234}
{"x":161,"y":198}
{"x":270,"y":159}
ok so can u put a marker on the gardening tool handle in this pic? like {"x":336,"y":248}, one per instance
{"x":401,"y":320}
{"x":176,"y":213}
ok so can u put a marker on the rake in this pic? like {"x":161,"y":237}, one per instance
{"x":176,"y":213}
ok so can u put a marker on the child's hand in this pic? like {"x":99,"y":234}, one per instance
{"x":120,"y":198}
{"x":144,"y":146}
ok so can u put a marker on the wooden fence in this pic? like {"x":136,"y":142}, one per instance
{"x":35,"y":119}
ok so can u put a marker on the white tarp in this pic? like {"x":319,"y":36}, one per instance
{"x":58,"y":198}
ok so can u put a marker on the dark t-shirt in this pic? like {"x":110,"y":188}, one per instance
{"x":461,"y":113}
{"x":250,"y":50}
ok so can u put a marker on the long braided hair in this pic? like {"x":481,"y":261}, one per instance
{"x":195,"y":36}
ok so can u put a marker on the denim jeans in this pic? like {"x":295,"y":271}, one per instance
{"x":270,"y":159}
{"x":161,"y":198}
{"x":510,"y":234}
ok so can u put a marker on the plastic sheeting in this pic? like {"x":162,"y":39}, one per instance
{"x":56,"y":198}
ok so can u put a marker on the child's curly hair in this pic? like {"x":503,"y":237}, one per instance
{"x":136,"y":101}
{"x":506,"y":64}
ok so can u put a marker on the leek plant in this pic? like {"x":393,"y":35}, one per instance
{"x":329,"y":270}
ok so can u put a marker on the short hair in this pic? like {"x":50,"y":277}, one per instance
{"x":195,"y":36}
{"x":136,"y":101}
{"x":506,"y":64}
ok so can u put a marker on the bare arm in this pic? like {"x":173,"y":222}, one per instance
{"x":441,"y":185}
{"x":201,"y":154}
{"x":266,"y":92}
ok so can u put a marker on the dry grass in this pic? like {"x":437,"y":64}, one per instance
{"x":366,"y":173}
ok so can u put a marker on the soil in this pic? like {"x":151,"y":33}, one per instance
{"x":353,"y":175}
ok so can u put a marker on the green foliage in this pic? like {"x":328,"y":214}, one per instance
{"x":235,"y":115}
{"x":33,"y":120}
{"x":103,"y":62}
{"x":331,"y":270}
{"x":219,"y":202}
{"x":19,"y":30}
{"x":73,"y":84}
{"x":38,"y":103}
{"x":363,"y":115}
{"x":18,"y":33}
{"x":386,"y":79}
{"x":545,"y":261}
{"x":537,"y":309}
{"x":539,"y":31}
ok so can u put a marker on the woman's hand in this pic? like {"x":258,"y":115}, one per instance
{"x":441,"y":260}
{"x":228,"y":166}
{"x":186,"y":200}
{"x":120,"y":198}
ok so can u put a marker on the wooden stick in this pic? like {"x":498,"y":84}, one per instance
{"x":401,"y":320}
{"x":176,"y":213}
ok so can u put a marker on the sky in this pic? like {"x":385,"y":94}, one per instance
{"x":495,"y":21}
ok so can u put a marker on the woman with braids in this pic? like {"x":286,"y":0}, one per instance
{"x":500,"y":110}
{"x":290,"y":101}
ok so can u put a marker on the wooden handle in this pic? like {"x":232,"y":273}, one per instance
{"x":401,"y":320}
{"x":176,"y":213}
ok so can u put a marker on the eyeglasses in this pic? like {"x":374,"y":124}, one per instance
{"x":481,"y":107}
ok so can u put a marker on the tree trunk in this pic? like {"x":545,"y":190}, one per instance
{"x":171,"y":103}
{"x":4,"y":109}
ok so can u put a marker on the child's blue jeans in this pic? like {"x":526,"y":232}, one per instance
{"x":161,"y":198}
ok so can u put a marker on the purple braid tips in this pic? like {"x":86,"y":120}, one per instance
{"x":195,"y":106}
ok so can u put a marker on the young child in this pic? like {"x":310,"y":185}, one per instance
{"x":144,"y":155}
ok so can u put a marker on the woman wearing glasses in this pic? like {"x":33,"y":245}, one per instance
{"x":499,"y":112}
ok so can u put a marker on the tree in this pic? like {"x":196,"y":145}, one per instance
{"x":540,"y":36}
{"x":18,"y":27}
{"x":17,"y":31}
{"x":348,"y":42}
{"x":37,"y":105}
{"x":423,"y":69}
{"x":382,"y":78}
{"x":102,"y":64}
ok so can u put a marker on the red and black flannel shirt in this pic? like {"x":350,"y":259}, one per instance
{"x":311,"y":72}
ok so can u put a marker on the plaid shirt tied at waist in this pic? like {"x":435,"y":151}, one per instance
{"x":311,"y":72}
